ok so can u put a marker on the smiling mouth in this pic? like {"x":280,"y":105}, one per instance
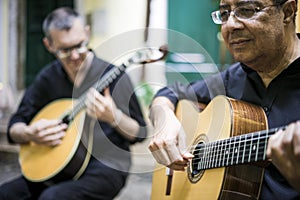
{"x":239,"y":42}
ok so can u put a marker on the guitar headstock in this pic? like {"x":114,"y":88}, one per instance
{"x":149,"y":55}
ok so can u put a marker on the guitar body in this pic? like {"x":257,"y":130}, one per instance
{"x":69,"y":159}
{"x":222,"y":118}
{"x":65,"y":161}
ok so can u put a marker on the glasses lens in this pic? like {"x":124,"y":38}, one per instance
{"x":64,"y":53}
{"x":81,"y":49}
{"x":245,"y":12}
{"x":216,"y":17}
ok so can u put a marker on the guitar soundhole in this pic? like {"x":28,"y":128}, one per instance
{"x":194,"y":174}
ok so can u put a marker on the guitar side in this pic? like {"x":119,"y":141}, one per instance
{"x":40,"y":162}
{"x":219,"y":120}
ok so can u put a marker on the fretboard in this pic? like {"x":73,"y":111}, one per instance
{"x":100,"y":85}
{"x":242,"y":149}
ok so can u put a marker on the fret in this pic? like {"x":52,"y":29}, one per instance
{"x":221,"y":153}
{"x":253,"y":147}
{"x":258,"y":145}
{"x":238,"y":150}
{"x":218,"y":154}
{"x":213,"y":154}
{"x":227,"y":152}
{"x":209,"y":155}
{"x":265,"y":145}
{"x":243,"y":147}
{"x":234,"y":151}
{"x":250,"y":148}
{"x":246,"y":147}
{"x":230,"y":152}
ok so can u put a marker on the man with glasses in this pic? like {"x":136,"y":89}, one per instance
{"x":261,"y":36}
{"x":119,"y":119}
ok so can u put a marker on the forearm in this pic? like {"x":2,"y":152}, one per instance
{"x":160,"y":108}
{"x":18,"y":132}
{"x":126,"y":126}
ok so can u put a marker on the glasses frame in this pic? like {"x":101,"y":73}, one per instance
{"x":216,"y":15}
{"x":65,"y":53}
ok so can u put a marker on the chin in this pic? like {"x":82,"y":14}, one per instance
{"x":242,"y":57}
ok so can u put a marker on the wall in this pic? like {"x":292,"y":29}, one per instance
{"x":4,"y":41}
{"x":298,"y":18}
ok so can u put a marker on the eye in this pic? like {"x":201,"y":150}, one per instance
{"x":246,"y":11}
{"x":64,"y":50}
{"x":224,"y":14}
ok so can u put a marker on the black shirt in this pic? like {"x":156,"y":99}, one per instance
{"x":280,"y":101}
{"x":52,"y":83}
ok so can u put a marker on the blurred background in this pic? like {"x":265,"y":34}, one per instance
{"x":119,"y":27}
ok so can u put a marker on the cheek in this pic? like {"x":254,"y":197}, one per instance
{"x":270,"y":38}
{"x":225,"y":36}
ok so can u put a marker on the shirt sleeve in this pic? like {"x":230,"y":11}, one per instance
{"x":124,"y":96}
{"x":199,"y":91}
{"x":32,"y":101}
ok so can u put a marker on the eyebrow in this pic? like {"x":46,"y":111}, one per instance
{"x":240,"y":3}
{"x":74,"y":46}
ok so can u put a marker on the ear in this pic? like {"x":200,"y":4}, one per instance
{"x":47,"y":44}
{"x":289,"y":9}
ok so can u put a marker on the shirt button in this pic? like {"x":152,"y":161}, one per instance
{"x":266,"y":109}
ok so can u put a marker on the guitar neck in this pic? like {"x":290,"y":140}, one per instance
{"x":100,"y":85}
{"x":242,"y":149}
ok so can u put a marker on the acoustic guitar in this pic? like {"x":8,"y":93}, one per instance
{"x":40,"y":163}
{"x":228,"y":140}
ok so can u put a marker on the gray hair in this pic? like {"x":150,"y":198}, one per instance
{"x":280,"y":2}
{"x":60,"y":19}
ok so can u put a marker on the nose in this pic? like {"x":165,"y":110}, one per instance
{"x":233,"y":21}
{"x":74,"y":54}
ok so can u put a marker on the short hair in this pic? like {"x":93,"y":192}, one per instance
{"x":280,"y":2}
{"x":60,"y":19}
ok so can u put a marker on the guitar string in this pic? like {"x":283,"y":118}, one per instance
{"x":212,"y":158}
{"x":241,"y":138}
{"x":228,"y":146}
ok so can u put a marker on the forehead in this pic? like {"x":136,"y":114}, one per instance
{"x":241,"y":2}
{"x":73,"y":36}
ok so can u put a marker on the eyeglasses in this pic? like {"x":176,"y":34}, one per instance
{"x":240,"y":12}
{"x":64,"y":53}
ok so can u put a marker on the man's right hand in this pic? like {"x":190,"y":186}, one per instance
{"x":168,"y":145}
